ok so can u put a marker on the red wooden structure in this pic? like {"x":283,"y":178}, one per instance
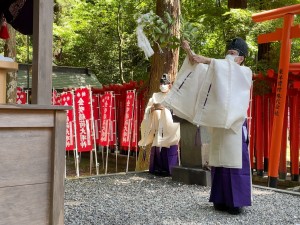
{"x":285,"y":36}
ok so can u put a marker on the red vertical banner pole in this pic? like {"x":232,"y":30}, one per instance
{"x":75,"y":133}
{"x":101,"y":97}
{"x":271,"y":116}
{"x":93,"y":121}
{"x":115,"y":128}
{"x":67,"y":100}
{"x":298,"y":130}
{"x":282,"y":162}
{"x":134,"y":140}
{"x":294,"y":139}
{"x":83,"y":120}
{"x":106,"y":128}
{"x":259,"y":136}
{"x":128,"y":123}
{"x":281,"y":90}
{"x":266,"y":133}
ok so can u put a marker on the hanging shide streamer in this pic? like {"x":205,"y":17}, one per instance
{"x":143,"y":42}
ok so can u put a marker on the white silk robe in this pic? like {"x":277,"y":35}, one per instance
{"x":158,"y":127}
{"x":216,"y":96}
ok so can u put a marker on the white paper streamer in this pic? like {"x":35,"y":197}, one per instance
{"x":143,"y":42}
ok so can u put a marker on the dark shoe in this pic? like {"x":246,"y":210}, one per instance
{"x":234,"y":210}
{"x":220,"y":207}
{"x":160,"y":173}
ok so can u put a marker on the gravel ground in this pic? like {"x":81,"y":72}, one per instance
{"x":141,"y":198}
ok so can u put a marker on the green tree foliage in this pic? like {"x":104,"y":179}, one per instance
{"x":86,"y":34}
{"x":217,"y":25}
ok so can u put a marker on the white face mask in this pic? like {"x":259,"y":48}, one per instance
{"x":231,"y":57}
{"x":164,"y":87}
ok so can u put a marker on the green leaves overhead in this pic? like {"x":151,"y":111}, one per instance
{"x":87,"y":33}
{"x":157,"y":29}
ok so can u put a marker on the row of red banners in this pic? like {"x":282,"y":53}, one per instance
{"x":94,"y":119}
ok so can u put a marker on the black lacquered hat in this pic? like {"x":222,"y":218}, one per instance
{"x":239,"y":45}
{"x":165,"y":79}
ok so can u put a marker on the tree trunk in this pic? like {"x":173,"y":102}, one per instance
{"x":237,"y":4}
{"x":263,"y":50}
{"x":11,"y":77}
{"x":166,"y":62}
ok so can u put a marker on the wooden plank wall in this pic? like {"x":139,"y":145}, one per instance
{"x":32,"y":166}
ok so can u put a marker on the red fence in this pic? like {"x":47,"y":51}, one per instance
{"x":263,"y":105}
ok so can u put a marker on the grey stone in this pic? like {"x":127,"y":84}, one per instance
{"x":191,"y":169}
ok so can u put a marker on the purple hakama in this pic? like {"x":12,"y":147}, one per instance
{"x":232,"y":187}
{"x":163,"y":159}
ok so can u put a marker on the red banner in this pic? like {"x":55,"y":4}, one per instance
{"x":128,"y":120}
{"x":21,"y":96}
{"x":113,"y":122}
{"x":134,"y":140}
{"x":106,"y":115}
{"x":67,"y":100}
{"x":55,"y":100}
{"x":96,"y":114}
{"x":83,"y":119}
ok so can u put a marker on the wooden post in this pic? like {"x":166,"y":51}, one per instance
{"x":58,"y":164}
{"x":281,"y":90}
{"x":282,"y":162}
{"x":42,"y":52}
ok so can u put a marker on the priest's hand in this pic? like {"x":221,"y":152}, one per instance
{"x":158,"y":106}
{"x":186,"y":46}
{"x":200,"y":59}
{"x":192,"y":57}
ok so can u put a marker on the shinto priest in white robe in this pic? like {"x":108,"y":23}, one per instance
{"x":158,"y":127}
{"x":216,"y":96}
